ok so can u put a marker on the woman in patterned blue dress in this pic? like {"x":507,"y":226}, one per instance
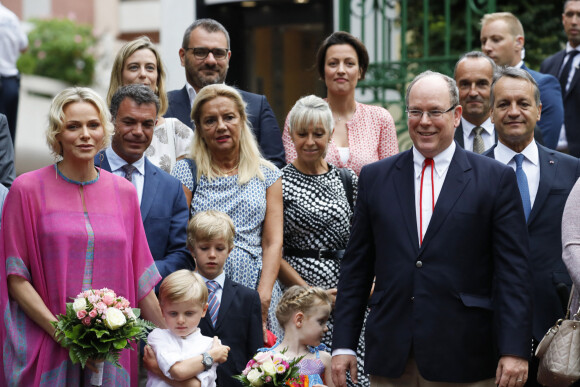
{"x":317,"y":209}
{"x":231,"y":176}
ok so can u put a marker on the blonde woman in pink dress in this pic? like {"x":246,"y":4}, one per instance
{"x":67,"y":228}
{"x":362,"y":133}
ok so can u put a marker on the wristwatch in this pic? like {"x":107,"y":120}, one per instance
{"x":207,"y":360}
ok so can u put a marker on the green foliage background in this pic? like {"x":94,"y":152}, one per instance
{"x":60,"y":49}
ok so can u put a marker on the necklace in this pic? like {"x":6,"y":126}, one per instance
{"x":227,"y":173}
{"x":338,"y":118}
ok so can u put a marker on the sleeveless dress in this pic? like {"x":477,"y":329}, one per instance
{"x":317,"y":215}
{"x":246,"y":205}
{"x":311,"y":370}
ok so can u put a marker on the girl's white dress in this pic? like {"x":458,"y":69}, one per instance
{"x":171,"y":140}
{"x":170,"y":348}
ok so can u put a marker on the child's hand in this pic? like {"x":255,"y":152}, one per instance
{"x":219,"y":352}
{"x":150,"y":361}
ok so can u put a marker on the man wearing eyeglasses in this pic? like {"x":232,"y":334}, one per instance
{"x":205,"y":55}
{"x":545,"y":179}
{"x":443,"y":232}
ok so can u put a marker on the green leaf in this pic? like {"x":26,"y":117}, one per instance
{"x":120,"y":344}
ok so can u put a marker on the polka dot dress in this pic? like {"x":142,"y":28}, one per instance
{"x":317,"y":215}
{"x":246,"y":205}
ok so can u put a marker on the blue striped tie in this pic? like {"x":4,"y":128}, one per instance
{"x":523,"y":184}
{"x":214,"y":304}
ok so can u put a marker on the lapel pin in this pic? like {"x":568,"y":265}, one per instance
{"x":551,"y":161}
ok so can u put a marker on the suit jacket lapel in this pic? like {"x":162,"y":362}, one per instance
{"x":405,"y":189}
{"x":455,"y":182}
{"x":548,"y":168}
{"x":149,"y":189}
{"x":102,"y":161}
{"x":459,"y":135}
{"x":228,"y":295}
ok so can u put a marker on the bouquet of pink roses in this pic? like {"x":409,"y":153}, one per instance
{"x":270,"y":368}
{"x":98,"y":325}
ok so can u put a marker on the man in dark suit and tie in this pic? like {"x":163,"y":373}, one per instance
{"x":442,"y":230}
{"x":164,"y":210}
{"x":205,"y":55}
{"x":473,"y":74}
{"x":545,"y":178}
{"x":564,"y":65}
{"x":502,"y":39}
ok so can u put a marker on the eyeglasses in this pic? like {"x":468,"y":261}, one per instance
{"x":418,"y":114}
{"x":203,"y":52}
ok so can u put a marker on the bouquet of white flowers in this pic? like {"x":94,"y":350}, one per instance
{"x":98,"y":325}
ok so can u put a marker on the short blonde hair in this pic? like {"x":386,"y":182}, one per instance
{"x":210,"y":225}
{"x":514,"y":24}
{"x":125,"y":52}
{"x":300,"y":299}
{"x":183,"y":285}
{"x":56,"y":115}
{"x":250,"y":157}
{"x":310,"y":110}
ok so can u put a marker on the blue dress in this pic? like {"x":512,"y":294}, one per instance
{"x":246,"y":205}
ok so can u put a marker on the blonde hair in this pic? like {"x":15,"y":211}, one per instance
{"x":311,"y":110}
{"x":300,"y":299}
{"x":56,"y":115}
{"x":250,"y":156}
{"x":514,"y":24}
{"x":183,"y":285}
{"x":124,"y":53}
{"x":210,"y":225}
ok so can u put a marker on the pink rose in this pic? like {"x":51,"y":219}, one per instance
{"x":101,"y":307}
{"x":108,"y":299}
{"x":93,"y":298}
{"x":81,"y":314}
{"x":87,"y":321}
{"x":245,"y":371}
{"x":261,"y":357}
{"x":93,"y":313}
{"x":268,"y":379}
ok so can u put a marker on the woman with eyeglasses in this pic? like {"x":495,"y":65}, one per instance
{"x":139,"y":61}
{"x":362,"y":133}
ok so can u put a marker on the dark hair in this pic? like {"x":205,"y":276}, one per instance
{"x":475,"y":55}
{"x":209,"y":25}
{"x":141,"y":94}
{"x":341,"y":37}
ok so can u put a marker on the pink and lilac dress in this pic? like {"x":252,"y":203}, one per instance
{"x":312,"y":369}
{"x":64,"y":237}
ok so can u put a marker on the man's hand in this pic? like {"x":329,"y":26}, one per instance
{"x":512,"y":371}
{"x":341,"y":364}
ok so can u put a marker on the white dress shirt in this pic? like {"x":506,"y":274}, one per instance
{"x":531,"y":164}
{"x":138,"y":179}
{"x":191,"y":92}
{"x":562,"y":140}
{"x":488,"y":134}
{"x":220,"y":279}
{"x":442,"y":161}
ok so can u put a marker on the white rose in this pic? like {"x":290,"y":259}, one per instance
{"x":254,"y":378}
{"x":79,"y":304}
{"x":115,"y":318}
{"x":269,"y":368}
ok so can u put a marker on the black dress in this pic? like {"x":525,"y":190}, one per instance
{"x":317,"y":215}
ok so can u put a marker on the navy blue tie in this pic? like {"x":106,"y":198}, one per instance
{"x":523,"y":184}
{"x":566,"y":70}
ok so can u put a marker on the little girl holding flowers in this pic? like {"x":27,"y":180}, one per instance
{"x":303,"y":313}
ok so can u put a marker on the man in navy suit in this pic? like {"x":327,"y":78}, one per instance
{"x":502,"y":39}
{"x":556,"y":64}
{"x":473,"y":75}
{"x":205,"y":54}
{"x":164,"y":211}
{"x":550,"y":176}
{"x":442,"y":230}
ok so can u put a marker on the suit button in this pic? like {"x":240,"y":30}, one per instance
{"x":419,"y":264}
{"x":412,"y":298}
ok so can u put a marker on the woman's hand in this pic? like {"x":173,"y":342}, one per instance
{"x":332,"y":294}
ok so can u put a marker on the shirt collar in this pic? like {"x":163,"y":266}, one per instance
{"x":519,"y":65}
{"x":191,"y":92}
{"x":442,"y":160}
{"x":468,"y":126}
{"x":505,"y":155}
{"x":220,"y":279}
{"x":116,"y":162}
{"x":570,"y":48}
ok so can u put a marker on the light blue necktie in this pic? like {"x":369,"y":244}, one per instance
{"x":214,"y":304}
{"x":523,"y":184}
